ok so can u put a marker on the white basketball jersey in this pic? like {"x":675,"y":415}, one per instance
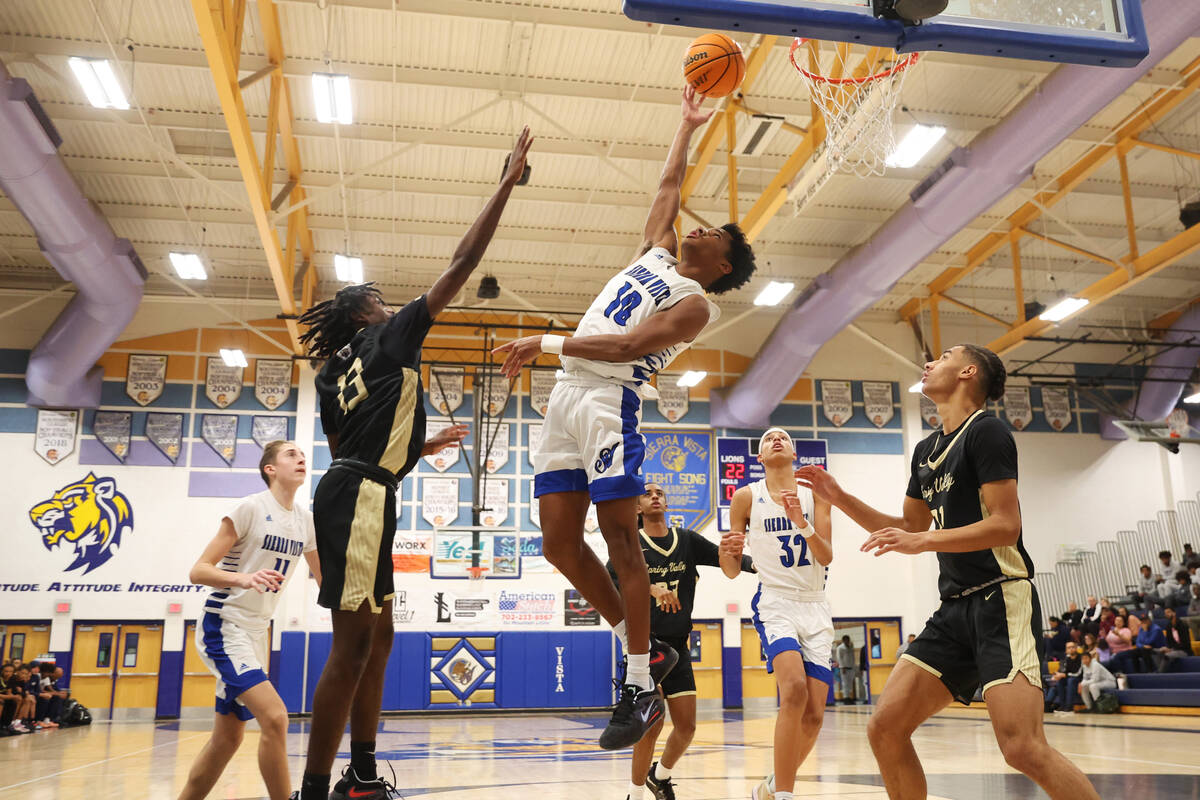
{"x":269,"y":537}
{"x":780,"y":551}
{"x":635,"y":294}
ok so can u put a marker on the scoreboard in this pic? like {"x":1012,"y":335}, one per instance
{"x":737,"y":466}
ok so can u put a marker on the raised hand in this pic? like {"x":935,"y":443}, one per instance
{"x":446,"y":437}
{"x":520,"y":353}
{"x":895,"y":540}
{"x":822,"y":484}
{"x":514,"y":162}
{"x":793,"y":508}
{"x":693,"y":114}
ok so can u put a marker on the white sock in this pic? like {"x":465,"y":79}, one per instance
{"x":619,"y":630}
{"x":636,"y":792}
{"x":639,"y":671}
{"x":783,"y":796}
{"x":661,"y":773}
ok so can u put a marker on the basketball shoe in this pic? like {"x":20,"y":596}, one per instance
{"x":763,"y":791}
{"x":636,"y":712}
{"x":663,"y":789}
{"x":351,"y":787}
{"x":663,"y":659}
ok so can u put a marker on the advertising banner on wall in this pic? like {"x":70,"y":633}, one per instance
{"x":113,"y":429}
{"x":877,"y":402}
{"x":680,"y":461}
{"x":272,"y":381}
{"x":1017,"y":407}
{"x":222,"y":383}
{"x":411,"y":551}
{"x":145,"y":378}
{"x":446,"y":388}
{"x":837,"y":403}
{"x":1056,"y":405}
{"x":541,"y":383}
{"x":54,"y":438}
{"x":220,"y":432}
{"x":578,"y":612}
{"x":165,"y":431}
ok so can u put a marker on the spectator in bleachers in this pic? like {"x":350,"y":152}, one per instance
{"x":41,"y":697}
{"x":1093,"y":679}
{"x":1056,"y":639}
{"x":1194,"y":573}
{"x":1190,"y":557}
{"x":1167,"y":567}
{"x":9,"y":698}
{"x":1060,"y":689}
{"x":1091,"y":616}
{"x":1177,"y":593}
{"x":1107,"y":616}
{"x":1091,"y":644}
{"x":1072,"y":616}
{"x":1178,"y":641}
{"x":1149,"y":641}
{"x":50,"y":699}
{"x":1193,"y":612}
{"x":1120,"y":642}
{"x":1147,"y":586}
{"x":27,"y":707}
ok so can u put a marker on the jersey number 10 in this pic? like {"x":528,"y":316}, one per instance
{"x":788,"y":557}
{"x":623,"y":304}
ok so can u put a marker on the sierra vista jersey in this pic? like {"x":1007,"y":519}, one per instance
{"x":269,"y":536}
{"x":371,"y":393}
{"x":948,"y":471}
{"x":673,"y":559}
{"x":631,"y":297}
{"x":780,"y":550}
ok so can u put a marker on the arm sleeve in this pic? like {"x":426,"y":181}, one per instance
{"x":404,"y":333}
{"x":914,"y":484}
{"x":992,"y":451}
{"x":310,"y":532}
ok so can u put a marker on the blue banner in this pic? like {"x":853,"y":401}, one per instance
{"x":680,"y":462}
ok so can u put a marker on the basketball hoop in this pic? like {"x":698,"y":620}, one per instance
{"x":857,"y":110}
{"x":476,"y":575}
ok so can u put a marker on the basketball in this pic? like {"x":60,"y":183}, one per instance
{"x":714,"y":65}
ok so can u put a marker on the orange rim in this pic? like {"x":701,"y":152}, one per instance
{"x":899,"y":66}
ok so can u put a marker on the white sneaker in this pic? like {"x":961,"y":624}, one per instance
{"x":763,"y":790}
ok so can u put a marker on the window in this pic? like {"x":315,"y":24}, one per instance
{"x":131,"y":645}
{"x":18,"y":647}
{"x":104,"y":650}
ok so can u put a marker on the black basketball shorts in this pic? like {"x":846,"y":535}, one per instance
{"x":680,"y":680}
{"x":355,"y":518}
{"x":983,"y":639}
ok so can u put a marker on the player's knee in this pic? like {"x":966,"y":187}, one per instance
{"x":560,"y":553}
{"x":1022,"y":753}
{"x":884,"y":729}
{"x":229,"y":740}
{"x":685,"y":730}
{"x":273,"y":724}
{"x":382,"y":637}
{"x":793,"y":691}
{"x":813,"y":717}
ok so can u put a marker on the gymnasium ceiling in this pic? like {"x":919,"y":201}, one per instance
{"x":453,"y":81}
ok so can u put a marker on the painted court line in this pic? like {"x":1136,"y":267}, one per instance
{"x":41,"y":778}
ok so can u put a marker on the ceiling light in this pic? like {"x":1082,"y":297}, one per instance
{"x":773,"y":293}
{"x":913,"y":147}
{"x":348,"y":268}
{"x":233,"y":358}
{"x":188,"y":266}
{"x":331,"y":94}
{"x":691,"y":378}
{"x":1062,"y":309}
{"x":916,"y":387}
{"x":99,"y":82}
{"x":1194,"y":398}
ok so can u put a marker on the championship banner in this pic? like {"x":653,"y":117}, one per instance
{"x":445,"y":458}
{"x":112,"y":429}
{"x":680,"y":462}
{"x":1056,"y":406}
{"x":535,"y":436}
{"x":222,"y":384}
{"x":1017,"y":407}
{"x":165,"y":431}
{"x":272,"y":381}
{"x":446,"y":390}
{"x":498,"y":446}
{"x":55,"y":436}
{"x":411,"y":551}
{"x":495,"y":503}
{"x":673,"y":399}
{"x":145,"y":378}
{"x":541,"y":383}
{"x":929,"y":413}
{"x":491,"y":389}
{"x":264,"y":430}
{"x":439,"y":501}
{"x":220,"y":431}
{"x":836,"y":401}
{"x":877,"y":402}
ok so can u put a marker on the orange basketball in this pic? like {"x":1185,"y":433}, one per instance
{"x":714,"y":65}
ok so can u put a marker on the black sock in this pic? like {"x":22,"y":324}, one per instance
{"x":314,"y":787}
{"x":362,"y":759}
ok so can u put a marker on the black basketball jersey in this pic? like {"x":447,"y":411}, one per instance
{"x":371,"y":394}
{"x":673,"y":559}
{"x":948,"y":471}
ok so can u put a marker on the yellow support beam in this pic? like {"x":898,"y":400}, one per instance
{"x":1018,"y":285}
{"x":1127,"y":195}
{"x":210,"y":19}
{"x":731,"y":165}
{"x":1143,"y":118}
{"x":1070,"y":248}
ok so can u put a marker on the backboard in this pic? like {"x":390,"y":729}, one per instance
{"x":1109,"y":33}
{"x":457,"y":549}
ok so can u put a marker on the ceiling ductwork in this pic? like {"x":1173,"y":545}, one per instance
{"x":966,"y":185}
{"x":78,"y":241}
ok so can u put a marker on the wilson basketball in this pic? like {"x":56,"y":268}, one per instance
{"x":714,"y":65}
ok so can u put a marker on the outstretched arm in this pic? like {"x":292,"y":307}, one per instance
{"x":916,"y":516}
{"x":1000,"y":528}
{"x":682,"y":322}
{"x":660,"y":224}
{"x":472,"y":247}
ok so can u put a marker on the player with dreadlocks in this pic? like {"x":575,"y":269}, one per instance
{"x":373,"y":414}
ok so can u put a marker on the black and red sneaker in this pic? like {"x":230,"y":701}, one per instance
{"x":663,"y":659}
{"x":636,"y":712}
{"x":351,"y":787}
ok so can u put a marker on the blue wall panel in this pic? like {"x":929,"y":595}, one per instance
{"x":528,"y":669}
{"x":170,"y":683}
{"x":289,"y":676}
{"x":731,"y":677}
{"x":319,"y":645}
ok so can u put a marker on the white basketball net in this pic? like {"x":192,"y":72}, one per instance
{"x":857,"y":109}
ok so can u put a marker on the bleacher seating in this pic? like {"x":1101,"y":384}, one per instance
{"x":1111,"y":571}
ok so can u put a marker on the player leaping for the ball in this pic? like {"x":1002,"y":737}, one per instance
{"x":590,"y":442}
{"x":789,"y":534}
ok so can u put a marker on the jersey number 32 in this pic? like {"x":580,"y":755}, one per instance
{"x":788,"y":557}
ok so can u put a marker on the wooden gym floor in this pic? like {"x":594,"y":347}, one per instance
{"x":555,"y":755}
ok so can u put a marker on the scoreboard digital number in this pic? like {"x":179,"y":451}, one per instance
{"x":737,"y":466}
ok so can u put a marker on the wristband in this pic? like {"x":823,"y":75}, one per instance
{"x":552,"y":343}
